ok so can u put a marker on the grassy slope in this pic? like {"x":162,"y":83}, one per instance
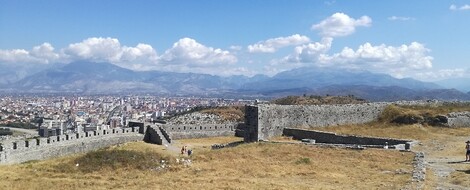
{"x":249,"y":166}
{"x":228,"y":113}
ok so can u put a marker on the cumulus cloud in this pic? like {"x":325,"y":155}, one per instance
{"x":399,"y":61}
{"x":461,"y":8}
{"x":15,"y":55}
{"x":340,"y":24}
{"x":98,"y":49}
{"x":400,"y":18}
{"x":185,"y":55}
{"x":109,"y":50}
{"x":43,"y":54}
{"x":309,"y":52}
{"x":188,"y":51}
{"x":273,"y":44}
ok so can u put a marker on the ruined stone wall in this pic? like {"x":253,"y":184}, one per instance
{"x":267,"y":120}
{"x":333,"y":138}
{"x":55,"y":146}
{"x":152,"y":136}
{"x":182,"y":131}
{"x":251,"y":124}
{"x":458,"y":119}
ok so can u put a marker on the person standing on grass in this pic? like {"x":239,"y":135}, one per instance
{"x":468,"y":151}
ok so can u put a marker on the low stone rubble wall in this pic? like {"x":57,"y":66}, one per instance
{"x":458,"y":119}
{"x":333,"y":138}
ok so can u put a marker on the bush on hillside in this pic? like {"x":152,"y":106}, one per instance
{"x":113,"y":159}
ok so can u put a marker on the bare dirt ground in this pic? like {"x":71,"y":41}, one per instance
{"x":444,"y":150}
{"x":446,"y":160}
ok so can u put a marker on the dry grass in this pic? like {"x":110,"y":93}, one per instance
{"x":460,"y":177}
{"x":416,"y":131}
{"x":440,"y":145}
{"x":228,"y":113}
{"x":439,"y":110}
{"x":385,"y":128}
{"x":248,"y":166}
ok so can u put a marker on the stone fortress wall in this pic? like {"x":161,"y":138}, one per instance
{"x":458,"y":119}
{"x":264,"y":121}
{"x":268,"y":120}
{"x":55,"y":146}
{"x":183,"y":131}
{"x":261,"y":122}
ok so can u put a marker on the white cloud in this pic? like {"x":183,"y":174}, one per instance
{"x":185,"y":55}
{"x":400,"y":18}
{"x":441,"y":74}
{"x":303,"y":55}
{"x":236,"y":48}
{"x":108,"y":50}
{"x":398,"y":61}
{"x":461,"y":8}
{"x":309,"y":52}
{"x":140,"y":57}
{"x":15,"y":55}
{"x":273,"y":44}
{"x":43,"y":54}
{"x":95,"y":49}
{"x":340,"y":24}
{"x":188,"y":51}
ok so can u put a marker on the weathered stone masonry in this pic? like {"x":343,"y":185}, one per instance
{"x":268,"y":120}
{"x":182,"y":131}
{"x":55,"y":146}
{"x":333,"y":138}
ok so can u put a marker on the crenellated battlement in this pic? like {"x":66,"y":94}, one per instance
{"x":41,"y":148}
{"x":261,"y":122}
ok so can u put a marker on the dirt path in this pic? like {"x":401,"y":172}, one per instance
{"x":446,"y":160}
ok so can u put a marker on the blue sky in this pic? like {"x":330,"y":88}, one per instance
{"x":427,"y":40}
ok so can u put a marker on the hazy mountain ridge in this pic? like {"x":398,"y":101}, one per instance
{"x":92,"y":78}
{"x":314,"y":77}
{"x":462,"y":84}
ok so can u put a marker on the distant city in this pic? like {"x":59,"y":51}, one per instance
{"x":56,"y":115}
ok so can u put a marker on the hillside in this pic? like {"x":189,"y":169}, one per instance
{"x":250,"y":166}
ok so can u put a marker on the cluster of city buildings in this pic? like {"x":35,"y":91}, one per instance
{"x":56,"y":115}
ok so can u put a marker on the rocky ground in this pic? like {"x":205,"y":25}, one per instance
{"x":445,"y":161}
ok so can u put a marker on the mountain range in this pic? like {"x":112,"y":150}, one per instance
{"x":106,"y":78}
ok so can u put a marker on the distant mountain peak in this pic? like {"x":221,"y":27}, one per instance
{"x":106,"y":78}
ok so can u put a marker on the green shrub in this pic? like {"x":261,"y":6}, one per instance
{"x":303,"y":161}
{"x":113,"y":159}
